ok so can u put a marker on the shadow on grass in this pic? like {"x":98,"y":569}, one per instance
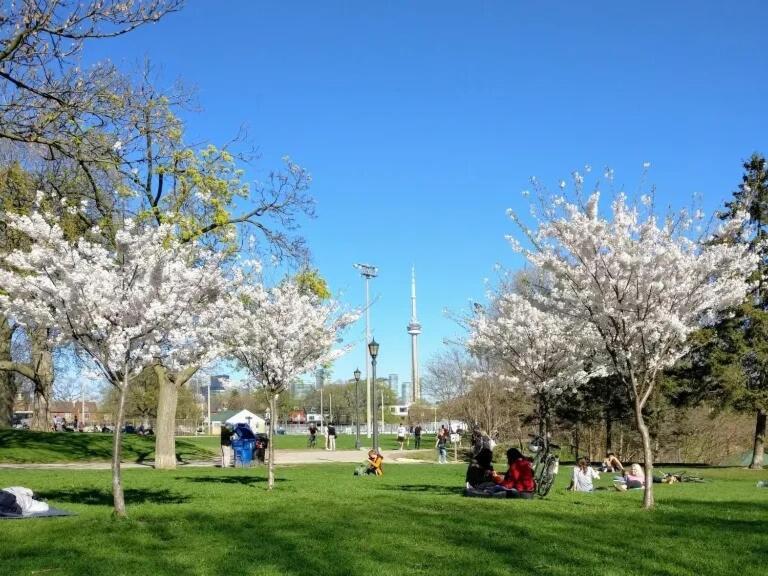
{"x":97,"y":497}
{"x":242,"y":480}
{"x":425,"y":489}
{"x":29,"y":446}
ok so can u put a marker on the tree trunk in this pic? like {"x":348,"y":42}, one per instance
{"x":271,"y":432}
{"x":165,"y":426}
{"x":647,"y":453}
{"x":118,"y":498}
{"x":42,"y":365}
{"x":7,"y":379}
{"x":759,"y":445}
{"x":608,"y":432}
{"x":576,"y":441}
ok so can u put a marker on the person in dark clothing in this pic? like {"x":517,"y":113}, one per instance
{"x":417,"y":437}
{"x":480,"y":467}
{"x":312,"y":440}
{"x":226,"y":446}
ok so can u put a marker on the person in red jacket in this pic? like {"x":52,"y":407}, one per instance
{"x":518,"y":481}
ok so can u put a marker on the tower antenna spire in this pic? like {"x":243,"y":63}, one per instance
{"x":414,"y":329}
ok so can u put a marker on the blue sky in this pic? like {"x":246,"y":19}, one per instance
{"x":421,"y":122}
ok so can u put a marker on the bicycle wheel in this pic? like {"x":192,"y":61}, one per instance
{"x":547,"y":478}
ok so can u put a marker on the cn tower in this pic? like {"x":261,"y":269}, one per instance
{"x":414,"y":329}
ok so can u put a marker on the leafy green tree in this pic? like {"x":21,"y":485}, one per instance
{"x":731,"y":358}
{"x":739,"y":359}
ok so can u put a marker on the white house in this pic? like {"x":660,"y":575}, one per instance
{"x":257,"y":423}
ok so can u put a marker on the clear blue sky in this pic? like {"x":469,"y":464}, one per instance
{"x":421,"y":122}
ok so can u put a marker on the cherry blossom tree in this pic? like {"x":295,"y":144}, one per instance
{"x":280,"y":334}
{"x":124,"y":306}
{"x":537,"y":349}
{"x":642,"y":285}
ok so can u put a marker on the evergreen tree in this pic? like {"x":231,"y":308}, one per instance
{"x":738,"y":354}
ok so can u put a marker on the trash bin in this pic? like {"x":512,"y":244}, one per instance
{"x":243,"y":445}
{"x":243,"y":450}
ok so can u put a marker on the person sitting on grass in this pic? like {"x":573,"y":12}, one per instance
{"x":480,"y":466}
{"x":517,"y":482}
{"x":632,"y":479}
{"x":374,"y":464}
{"x":583,"y":474}
{"x":611,"y":463}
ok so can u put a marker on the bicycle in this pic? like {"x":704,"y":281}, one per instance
{"x":546,"y":463}
{"x":671,"y":477}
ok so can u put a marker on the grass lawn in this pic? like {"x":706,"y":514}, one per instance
{"x":21,"y":446}
{"x":299,"y":442}
{"x":321,"y":520}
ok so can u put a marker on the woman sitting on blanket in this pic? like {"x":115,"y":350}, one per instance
{"x":517,"y":482}
{"x":635,"y":478}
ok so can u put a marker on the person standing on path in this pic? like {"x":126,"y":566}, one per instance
{"x":331,"y":437}
{"x":226,"y":446}
{"x":441,"y":445}
{"x":417,"y":437}
{"x":401,"y":431}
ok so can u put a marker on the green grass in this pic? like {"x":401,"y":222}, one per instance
{"x":21,"y":446}
{"x":299,"y":442}
{"x":321,"y":520}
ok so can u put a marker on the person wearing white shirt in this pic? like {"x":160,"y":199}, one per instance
{"x":583,"y":474}
{"x":401,"y":431}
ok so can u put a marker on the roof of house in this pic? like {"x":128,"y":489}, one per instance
{"x":225,"y":415}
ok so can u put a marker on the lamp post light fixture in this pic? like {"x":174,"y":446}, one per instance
{"x":373,"y":350}
{"x":367,"y":271}
{"x":357,"y":408}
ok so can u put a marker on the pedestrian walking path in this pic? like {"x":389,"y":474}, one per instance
{"x":318,"y":456}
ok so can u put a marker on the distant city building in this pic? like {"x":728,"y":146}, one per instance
{"x":322,"y":377}
{"x":399,"y":410}
{"x":217,"y":385}
{"x":393,"y":385}
{"x":404,"y":393}
{"x":218,"y":382}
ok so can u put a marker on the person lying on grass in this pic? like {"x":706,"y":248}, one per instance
{"x":583,"y":474}
{"x":517,"y":482}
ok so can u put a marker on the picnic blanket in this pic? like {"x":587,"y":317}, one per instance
{"x":51,"y":512}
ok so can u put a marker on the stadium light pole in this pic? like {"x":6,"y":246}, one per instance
{"x":367,"y":271}
{"x":357,"y":408}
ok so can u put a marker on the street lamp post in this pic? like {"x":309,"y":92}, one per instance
{"x":357,"y":408}
{"x":367,"y":271}
{"x":373,"y":349}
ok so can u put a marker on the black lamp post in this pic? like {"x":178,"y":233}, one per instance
{"x":373,"y":350}
{"x":357,"y":407}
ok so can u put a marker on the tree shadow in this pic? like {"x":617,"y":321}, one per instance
{"x":98,"y":497}
{"x":242,"y":480}
{"x":425,"y":489}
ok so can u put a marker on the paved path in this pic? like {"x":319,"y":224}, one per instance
{"x":318,"y":456}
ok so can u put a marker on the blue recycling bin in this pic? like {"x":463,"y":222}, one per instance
{"x":243,"y":445}
{"x":243,"y":450}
